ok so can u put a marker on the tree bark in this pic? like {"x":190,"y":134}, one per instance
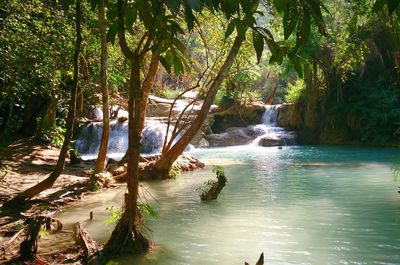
{"x":146,"y":89}
{"x":49,"y":181}
{"x":101,"y":158}
{"x":147,"y":85}
{"x":164,"y":163}
{"x":126,"y":238}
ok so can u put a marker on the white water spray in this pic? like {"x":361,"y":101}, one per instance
{"x":273,"y":133}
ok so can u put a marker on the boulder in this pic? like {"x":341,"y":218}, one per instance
{"x":237,"y":116}
{"x":271,"y":142}
{"x":157,"y":109}
{"x":235,"y":136}
{"x":199,"y":140}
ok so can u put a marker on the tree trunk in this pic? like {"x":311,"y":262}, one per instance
{"x":49,"y":181}
{"x":164,"y":163}
{"x":101,"y":158}
{"x":146,"y":89}
{"x":126,"y":238}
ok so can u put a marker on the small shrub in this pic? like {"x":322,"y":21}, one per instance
{"x":53,"y":135}
{"x":175,"y":171}
{"x":116,"y":214}
{"x":146,"y":209}
{"x":218,"y":170}
{"x":100,"y":180}
{"x":169,"y":93}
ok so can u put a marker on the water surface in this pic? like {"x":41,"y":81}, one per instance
{"x":298,"y":205}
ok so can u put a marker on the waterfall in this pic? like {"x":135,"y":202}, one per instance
{"x":97,"y":112}
{"x":88,"y":142}
{"x":270,"y":116}
{"x":274,"y":135}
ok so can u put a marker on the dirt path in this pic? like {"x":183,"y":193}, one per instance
{"x":24,"y":164}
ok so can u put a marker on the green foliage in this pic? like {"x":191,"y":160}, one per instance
{"x":218,"y":170}
{"x":296,"y":92}
{"x":113,"y":263}
{"x":44,"y":232}
{"x":391,"y":5}
{"x":116,"y":214}
{"x":175,"y":171}
{"x":377,"y":110}
{"x":223,"y":100}
{"x":396,"y":171}
{"x":35,"y":45}
{"x":53,"y":135}
{"x":170,"y":93}
{"x":19,"y":226}
{"x":146,"y":209}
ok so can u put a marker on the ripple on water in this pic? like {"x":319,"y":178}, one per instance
{"x":298,"y":205}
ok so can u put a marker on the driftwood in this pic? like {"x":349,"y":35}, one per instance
{"x":259,"y":262}
{"x":213,"y":188}
{"x":82,"y":238}
{"x":10,"y":242}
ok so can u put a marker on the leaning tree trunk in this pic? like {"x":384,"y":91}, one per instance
{"x":126,"y":238}
{"x":49,"y":181}
{"x":163,"y":164}
{"x":101,"y":158}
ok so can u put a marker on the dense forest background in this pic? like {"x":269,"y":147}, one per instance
{"x":345,"y":90}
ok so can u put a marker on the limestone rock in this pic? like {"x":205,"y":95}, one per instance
{"x":157,"y":109}
{"x":238,"y":116}
{"x":271,"y":142}
{"x":235,"y":136}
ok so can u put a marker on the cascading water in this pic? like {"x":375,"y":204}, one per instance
{"x":274,"y":135}
{"x":88,"y":142}
{"x":119,"y":112}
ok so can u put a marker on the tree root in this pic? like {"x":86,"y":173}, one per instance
{"x":125,"y":241}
